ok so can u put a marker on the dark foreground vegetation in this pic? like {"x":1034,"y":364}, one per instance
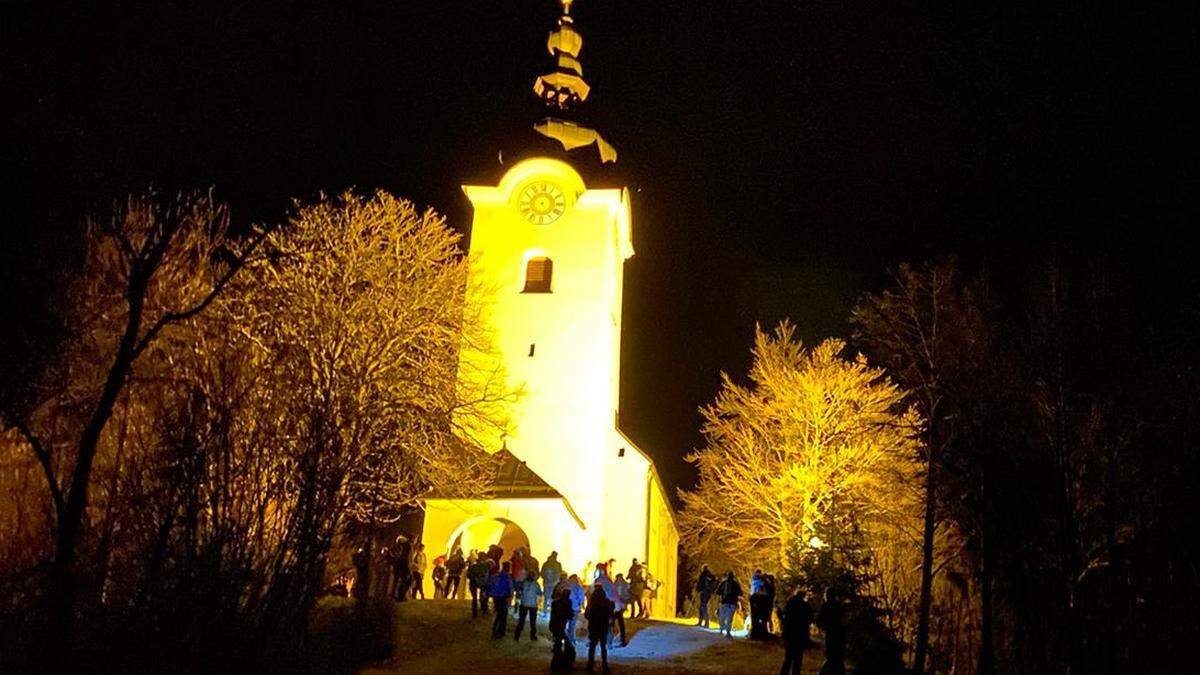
{"x":1007,"y":480}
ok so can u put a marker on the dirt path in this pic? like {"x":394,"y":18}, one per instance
{"x":439,"y":636}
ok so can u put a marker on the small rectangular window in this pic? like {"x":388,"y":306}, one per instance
{"x":538,"y":274}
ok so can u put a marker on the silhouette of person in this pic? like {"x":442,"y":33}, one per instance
{"x":477,"y":575}
{"x":362,"y":573}
{"x":729,"y":591}
{"x":705,"y":584}
{"x":454,"y":571}
{"x":637,"y":586}
{"x":561,"y":616}
{"x":831,"y":621}
{"x":797,"y":618}
{"x":401,"y":570}
{"x":760,"y":611}
{"x":599,"y":615}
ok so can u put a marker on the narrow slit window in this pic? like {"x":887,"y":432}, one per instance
{"x":538,"y":272}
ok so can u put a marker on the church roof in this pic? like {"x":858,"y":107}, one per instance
{"x":515,"y":480}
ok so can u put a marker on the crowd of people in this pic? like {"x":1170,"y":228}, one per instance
{"x":796,"y":617}
{"x":402,"y":576}
{"x":524,"y":588}
{"x":521,"y":588}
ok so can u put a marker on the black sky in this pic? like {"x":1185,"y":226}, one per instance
{"x":783,"y":156}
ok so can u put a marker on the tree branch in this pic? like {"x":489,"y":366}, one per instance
{"x":44,"y":459}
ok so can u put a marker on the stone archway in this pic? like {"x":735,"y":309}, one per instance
{"x":481,"y":533}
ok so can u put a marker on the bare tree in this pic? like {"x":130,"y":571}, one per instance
{"x":914,"y":328}
{"x":149,"y":266}
{"x":366,"y":298}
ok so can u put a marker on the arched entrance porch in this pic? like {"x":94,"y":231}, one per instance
{"x":482,"y":532}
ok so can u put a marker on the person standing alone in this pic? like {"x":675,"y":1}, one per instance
{"x":797,"y":618}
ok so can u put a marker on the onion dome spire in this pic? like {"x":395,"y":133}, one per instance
{"x":563,"y":90}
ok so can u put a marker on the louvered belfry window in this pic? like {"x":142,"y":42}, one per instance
{"x":538,"y":272}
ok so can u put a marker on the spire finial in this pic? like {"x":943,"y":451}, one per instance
{"x":563,"y":89}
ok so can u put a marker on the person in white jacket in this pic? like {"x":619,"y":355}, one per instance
{"x":530,"y":592}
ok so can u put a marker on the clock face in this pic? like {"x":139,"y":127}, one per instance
{"x":542,"y":203}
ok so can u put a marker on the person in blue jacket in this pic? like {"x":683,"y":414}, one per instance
{"x":501,"y":591}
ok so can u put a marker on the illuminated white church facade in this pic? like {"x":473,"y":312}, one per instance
{"x":551,"y":251}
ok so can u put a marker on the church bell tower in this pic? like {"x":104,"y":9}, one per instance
{"x":551,"y":251}
{"x":548,"y":246}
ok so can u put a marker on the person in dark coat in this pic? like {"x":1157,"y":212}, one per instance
{"x":501,"y":591}
{"x":705,"y":584}
{"x":760,"y":613}
{"x":599,"y":615}
{"x":362,"y":573}
{"x":831,"y":621}
{"x":770,"y":590}
{"x":477,"y":575}
{"x":454,"y":571}
{"x":637,"y":586}
{"x":729,"y":591}
{"x":401,"y":570}
{"x":561,"y":613}
{"x":797,"y":617}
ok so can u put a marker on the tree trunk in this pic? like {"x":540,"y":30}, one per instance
{"x":62,"y":573}
{"x":926,"y":566}
{"x":987,"y":656}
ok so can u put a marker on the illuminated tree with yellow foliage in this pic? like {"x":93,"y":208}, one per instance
{"x":814,"y":441}
{"x":265,"y":393}
{"x":365,"y":299}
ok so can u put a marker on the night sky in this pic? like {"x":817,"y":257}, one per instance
{"x":782,"y":156}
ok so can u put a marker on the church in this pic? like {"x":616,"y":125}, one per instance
{"x":550,"y":240}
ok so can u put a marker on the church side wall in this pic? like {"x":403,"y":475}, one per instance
{"x":663,"y":556}
{"x":625,"y":500}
